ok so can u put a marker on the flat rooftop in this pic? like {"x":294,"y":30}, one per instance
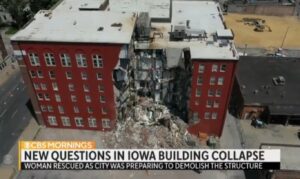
{"x":289,"y":155}
{"x":158,"y":9}
{"x":274,"y":136}
{"x":79,"y":26}
{"x":255,"y":77}
{"x":76,"y":5}
{"x":202,"y":16}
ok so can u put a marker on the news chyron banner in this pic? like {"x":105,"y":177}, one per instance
{"x":83,"y":155}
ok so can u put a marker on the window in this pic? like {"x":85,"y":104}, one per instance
{"x":88,"y":98}
{"x":50,"y":108}
{"x":214,"y":115}
{"x":34,"y":59}
{"x":54,"y":86}
{"x":47,"y":97}
{"x":83,"y":75}
{"x":92,"y":122}
{"x":86,"y":88}
{"x":212,"y":80}
{"x":32,"y":74}
{"x":52,"y":120}
{"x":57,"y":98}
{"x":210,"y":92}
{"x":40,"y":96}
{"x":97,"y":61}
{"x":102,"y":99}
{"x":65,"y":60}
{"x":90,"y":110}
{"x":49,"y":58}
{"x":106,"y":123}
{"x":223,"y":68}
{"x":214,"y":68}
{"x":216,"y":104}
{"x":68,"y":75}
{"x":81,"y":60}
{"x":200,"y":80}
{"x":51,"y":74}
{"x":218,"y":93}
{"x":79,"y":121}
{"x":201,"y":68}
{"x":43,"y":108}
{"x":71,"y":87}
{"x":76,"y":109}
{"x":36,"y":86}
{"x":40,"y":74}
{"x":61,"y":109}
{"x":99,"y":76}
{"x":198,"y":92}
{"x":195,"y":117}
{"x":207,"y":115}
{"x":73,"y":98}
{"x":104,"y":110}
{"x":101,"y":88}
{"x":43,"y":86}
{"x":65,"y":121}
{"x":220,"y":81}
{"x":209,"y":103}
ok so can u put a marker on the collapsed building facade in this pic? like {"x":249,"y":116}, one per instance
{"x":179,"y":53}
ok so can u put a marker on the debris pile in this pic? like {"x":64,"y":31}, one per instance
{"x":151,"y":125}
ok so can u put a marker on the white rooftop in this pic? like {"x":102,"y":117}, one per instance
{"x":203,"y":15}
{"x":156,"y":8}
{"x":79,"y":26}
{"x":76,"y":5}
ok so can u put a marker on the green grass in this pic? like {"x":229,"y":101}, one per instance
{"x":11,"y":30}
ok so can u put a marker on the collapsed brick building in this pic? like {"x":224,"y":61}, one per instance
{"x":86,"y":61}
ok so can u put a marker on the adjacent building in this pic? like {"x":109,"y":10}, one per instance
{"x":267,"y":88}
{"x":5,"y":17}
{"x":84,"y":59}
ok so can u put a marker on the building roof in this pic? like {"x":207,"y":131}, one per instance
{"x":76,"y":5}
{"x":79,"y":26}
{"x":291,"y":110}
{"x":256,"y":75}
{"x":213,"y":51}
{"x":158,"y":9}
{"x":289,"y":155}
{"x":201,"y":17}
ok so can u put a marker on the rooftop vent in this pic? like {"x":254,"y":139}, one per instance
{"x":188,"y":24}
{"x":279,"y":81}
{"x":116,"y":25}
{"x":100,"y":29}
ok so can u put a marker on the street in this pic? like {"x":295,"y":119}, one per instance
{"x":14,"y":115}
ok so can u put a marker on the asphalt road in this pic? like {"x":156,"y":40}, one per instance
{"x":14,"y":114}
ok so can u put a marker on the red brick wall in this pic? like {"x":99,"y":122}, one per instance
{"x":211,"y":126}
{"x":110,"y":56}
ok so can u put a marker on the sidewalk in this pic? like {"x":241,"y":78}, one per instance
{"x":8,"y":71}
{"x":29,"y":133}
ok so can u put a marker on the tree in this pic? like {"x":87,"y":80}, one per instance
{"x":22,"y":10}
{"x":17,"y":9}
{"x":36,"y":5}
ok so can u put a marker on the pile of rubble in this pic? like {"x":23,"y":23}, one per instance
{"x":150,"y":125}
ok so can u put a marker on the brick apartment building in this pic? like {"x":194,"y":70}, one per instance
{"x":82,"y":58}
